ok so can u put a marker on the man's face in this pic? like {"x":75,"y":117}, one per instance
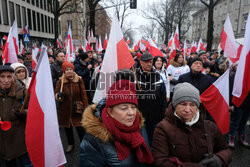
{"x":6,"y":78}
{"x":146,"y":65}
{"x":60,"y":57}
{"x":196,"y":66}
{"x":1,"y":52}
{"x":203,"y":57}
{"x":51,"y":60}
{"x":28,"y":56}
{"x":90,"y":55}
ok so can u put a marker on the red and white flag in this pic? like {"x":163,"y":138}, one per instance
{"x":185,"y":50}
{"x":35,"y":52}
{"x":193,"y":47}
{"x":170,"y":42}
{"x":228,"y":43}
{"x":105,"y":44}
{"x":42,"y":132}
{"x":200,"y":46}
{"x":11,"y":47}
{"x":26,"y":29}
{"x":176,"y":38}
{"x":216,"y":101}
{"x":153,"y":50}
{"x":96,"y":46}
{"x":58,"y":44}
{"x":70,"y":54}
{"x":21,"y":50}
{"x":242,"y":77}
{"x":117,"y":56}
{"x":100,"y":45}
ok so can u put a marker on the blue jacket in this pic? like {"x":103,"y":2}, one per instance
{"x":97,"y":147}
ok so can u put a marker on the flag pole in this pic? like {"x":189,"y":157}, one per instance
{"x":137,"y":82}
{"x":25,"y":101}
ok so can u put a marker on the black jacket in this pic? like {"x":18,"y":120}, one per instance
{"x":82,"y":70}
{"x":200,"y":81}
{"x":152,"y":96}
{"x":56,"y":71}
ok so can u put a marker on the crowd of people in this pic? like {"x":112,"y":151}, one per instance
{"x":151,"y":116}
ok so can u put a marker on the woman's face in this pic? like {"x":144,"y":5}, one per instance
{"x":69,"y":73}
{"x":158,"y":64}
{"x":186,"y":110}
{"x":180,"y":59}
{"x":21,"y":73}
{"x":125,"y":113}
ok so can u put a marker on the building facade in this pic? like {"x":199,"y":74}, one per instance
{"x":34,"y":13}
{"x":238,"y":12}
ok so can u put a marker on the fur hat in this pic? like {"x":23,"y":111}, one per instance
{"x":67,"y":64}
{"x":122,"y":91}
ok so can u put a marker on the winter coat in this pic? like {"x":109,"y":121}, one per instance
{"x":82,"y":70}
{"x":200,"y":81}
{"x":173,"y":138}
{"x":97,"y":147}
{"x":27,"y":79}
{"x":56,"y":71}
{"x":66,"y":117}
{"x":152,"y":96}
{"x":28,"y":65}
{"x":12,"y":142}
{"x":175,"y":71}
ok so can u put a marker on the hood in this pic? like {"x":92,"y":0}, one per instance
{"x":94,"y":126}
{"x":175,"y":64}
{"x":16,"y":66}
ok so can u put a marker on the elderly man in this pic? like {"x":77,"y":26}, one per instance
{"x":151,"y":94}
{"x":56,"y":67}
{"x":12,"y":142}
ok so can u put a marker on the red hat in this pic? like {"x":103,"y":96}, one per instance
{"x":67,"y":64}
{"x":122,"y":91}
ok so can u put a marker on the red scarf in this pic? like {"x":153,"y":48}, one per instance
{"x":127,"y":138}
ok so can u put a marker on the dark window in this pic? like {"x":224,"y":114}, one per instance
{"x":41,"y":4}
{"x":37,"y":3}
{"x":34,"y":20}
{"x":38,"y":21}
{"x":5,"y":12}
{"x":49,"y":24}
{"x":29,"y":19}
{"x":45,"y":4}
{"x":46,"y":24}
{"x":33,"y":2}
{"x":24,"y":16}
{"x":12,"y":12}
{"x":59,"y":27}
{"x":42,"y":22}
{"x":28,"y":1}
{"x":69,"y":23}
{"x":18,"y":15}
{"x":52,"y":25}
{"x":0,"y":18}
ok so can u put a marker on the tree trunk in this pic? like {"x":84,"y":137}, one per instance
{"x":92,"y":19}
{"x":210,"y":26}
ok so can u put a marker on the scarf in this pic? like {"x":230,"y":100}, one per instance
{"x":194,"y":119}
{"x":127,"y":138}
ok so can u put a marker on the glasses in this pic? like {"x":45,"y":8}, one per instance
{"x":20,"y":71}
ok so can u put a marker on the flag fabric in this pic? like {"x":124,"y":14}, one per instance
{"x":185,"y":50}
{"x":193,"y":47}
{"x":97,"y":46}
{"x":117,"y":56}
{"x":100,"y":45}
{"x":241,"y":86}
{"x":11,"y":47}
{"x":228,"y":43}
{"x":87,"y":47}
{"x":153,"y":50}
{"x":176,"y":38}
{"x":42,"y":132}
{"x":216,"y":101}
{"x":170,"y":42}
{"x":70,"y":54}
{"x":200,"y":46}
{"x":35,"y":52}
{"x":26,"y":29}
{"x":58,"y":44}
{"x":21,"y":50}
{"x":105,"y":44}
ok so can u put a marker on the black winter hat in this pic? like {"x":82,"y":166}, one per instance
{"x":195,"y":59}
{"x":83,"y":56}
{"x":6,"y":68}
{"x":201,"y":53}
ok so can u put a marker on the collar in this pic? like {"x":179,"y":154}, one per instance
{"x":193,"y":121}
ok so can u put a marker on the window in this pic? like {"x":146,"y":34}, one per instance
{"x":12,"y":12}
{"x":5,"y":12}
{"x":244,"y":21}
{"x":41,"y":4}
{"x":247,"y":2}
{"x":235,"y":24}
{"x":49,"y":24}
{"x":69,"y":22}
{"x":24,"y":16}
{"x":38,"y":21}
{"x":33,"y":2}
{"x":46,"y":24}
{"x":37,"y":3}
{"x":18,"y":15}
{"x":45,"y":4}
{"x":52,"y":25}
{"x":42,"y":22}
{"x":29,"y":19}
{"x":34,"y":20}
{"x":59,"y":27}
{"x":28,"y":1}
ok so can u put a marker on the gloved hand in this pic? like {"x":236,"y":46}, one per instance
{"x":21,"y":115}
{"x":214,"y":161}
{"x":60,"y":96}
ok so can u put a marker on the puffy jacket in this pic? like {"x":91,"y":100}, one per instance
{"x":97,"y":147}
{"x":56,"y":71}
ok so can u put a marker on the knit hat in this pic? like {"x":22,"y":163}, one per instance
{"x":67,"y":64}
{"x":122,"y":91}
{"x":201,"y":53}
{"x":83,"y":56}
{"x":195,"y":59}
{"x":6,"y":68}
{"x":185,"y":92}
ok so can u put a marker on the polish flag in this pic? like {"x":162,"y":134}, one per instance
{"x":142,"y":45}
{"x":11,"y":47}
{"x":26,"y":29}
{"x":242,"y":77}
{"x":185,"y":50}
{"x":136,"y":47}
{"x":170,"y":42}
{"x":105,"y":44}
{"x":216,"y":101}
{"x":21,"y":50}
{"x":58,"y":44}
{"x":34,"y":46}
{"x":117,"y":56}
{"x":176,"y":38}
{"x":172,"y":52}
{"x":70,"y":54}
{"x":88,"y":47}
{"x":193,"y":47}
{"x":35,"y":52}
{"x":42,"y":132}
{"x":228,"y":43}
{"x":153,"y":50}
{"x":97,"y":46}
{"x":100,"y":45}
{"x":200,"y":46}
